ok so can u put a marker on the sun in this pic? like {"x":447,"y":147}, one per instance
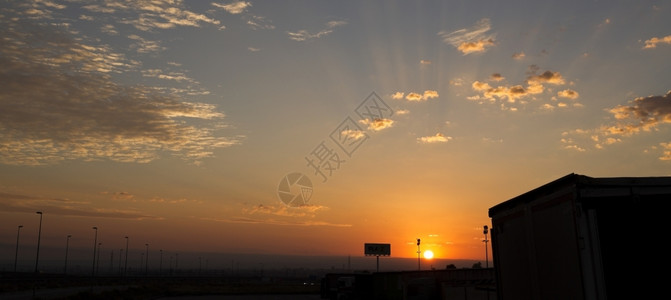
{"x":428,"y":254}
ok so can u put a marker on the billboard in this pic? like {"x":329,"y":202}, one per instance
{"x":377,"y":249}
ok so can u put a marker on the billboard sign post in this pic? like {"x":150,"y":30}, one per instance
{"x":374,"y":249}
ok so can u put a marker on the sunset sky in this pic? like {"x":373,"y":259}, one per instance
{"x":175,"y":122}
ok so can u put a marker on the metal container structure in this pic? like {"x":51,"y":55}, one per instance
{"x":580,"y":237}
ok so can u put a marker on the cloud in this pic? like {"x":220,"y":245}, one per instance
{"x":353,"y":134}
{"x":546,"y":77}
{"x":521,"y":94}
{"x":253,"y":49}
{"x":496,"y":77}
{"x":519,"y":55}
{"x":652,"y":43}
{"x":258,"y":22}
{"x":144,"y":46}
{"x":150,"y":15}
{"x":428,"y":94}
{"x":278,"y":222}
{"x":236,"y":7}
{"x":643,"y":114}
{"x":64,"y":207}
{"x":402,"y":112}
{"x":283,"y":210}
{"x":59,"y":102}
{"x":425,"y":62}
{"x":377,"y":124}
{"x":470,"y":40}
{"x":568,"y":93}
{"x":304,"y":35}
{"x":666,"y":155}
{"x":438,"y":138}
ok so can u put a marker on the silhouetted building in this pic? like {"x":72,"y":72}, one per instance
{"x":580,"y":237}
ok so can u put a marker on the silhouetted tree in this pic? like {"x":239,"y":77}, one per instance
{"x":477,"y":265}
{"x":451,"y":267}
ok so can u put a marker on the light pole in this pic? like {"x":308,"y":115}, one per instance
{"x":485,"y":231}
{"x":98,"y":259}
{"x":160,"y":263}
{"x":120,"y":253}
{"x":67,"y":245}
{"x":39,"y":237}
{"x":146,"y":261}
{"x":16,"y":256}
{"x":418,"y":254}
{"x":125,"y":264}
{"x":95,"y":244}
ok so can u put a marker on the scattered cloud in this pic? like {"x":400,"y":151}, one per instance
{"x":236,"y":7}
{"x":643,"y":114}
{"x":519,"y":55}
{"x":474,"y":39}
{"x":653,"y":42}
{"x":402,"y":112}
{"x":425,"y":62}
{"x":65,"y":207}
{"x":258,"y":22}
{"x":568,"y":93}
{"x":283,"y":210}
{"x":304,"y":35}
{"x":59,"y":102}
{"x":511,"y":96}
{"x":144,"y":46}
{"x":438,"y":138}
{"x":253,"y":49}
{"x":496,"y":77}
{"x":666,"y":154}
{"x":377,"y":124}
{"x":412,"y":96}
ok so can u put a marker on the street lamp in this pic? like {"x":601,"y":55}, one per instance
{"x":67,"y":245}
{"x":39,"y":237}
{"x":418,"y":254}
{"x":16,"y":256}
{"x":98,"y":259}
{"x":160,"y":263}
{"x":95,"y":244}
{"x":485,"y":231}
{"x":146,"y":262}
{"x":125,"y":264}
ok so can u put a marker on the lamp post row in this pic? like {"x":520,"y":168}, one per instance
{"x":96,"y":251}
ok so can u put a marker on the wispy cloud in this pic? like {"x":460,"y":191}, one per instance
{"x":236,"y":7}
{"x":304,"y":35}
{"x":65,"y":207}
{"x":519,"y":55}
{"x":438,"y":138}
{"x":474,"y":39}
{"x":377,"y":124}
{"x":653,"y":42}
{"x":59,"y":102}
{"x":416,"y":97}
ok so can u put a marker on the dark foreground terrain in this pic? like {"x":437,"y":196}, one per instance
{"x":183,"y":288}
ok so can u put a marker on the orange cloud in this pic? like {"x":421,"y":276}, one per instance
{"x":652,"y":43}
{"x":438,"y":138}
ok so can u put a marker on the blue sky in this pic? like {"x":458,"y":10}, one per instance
{"x":166,"y":118}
